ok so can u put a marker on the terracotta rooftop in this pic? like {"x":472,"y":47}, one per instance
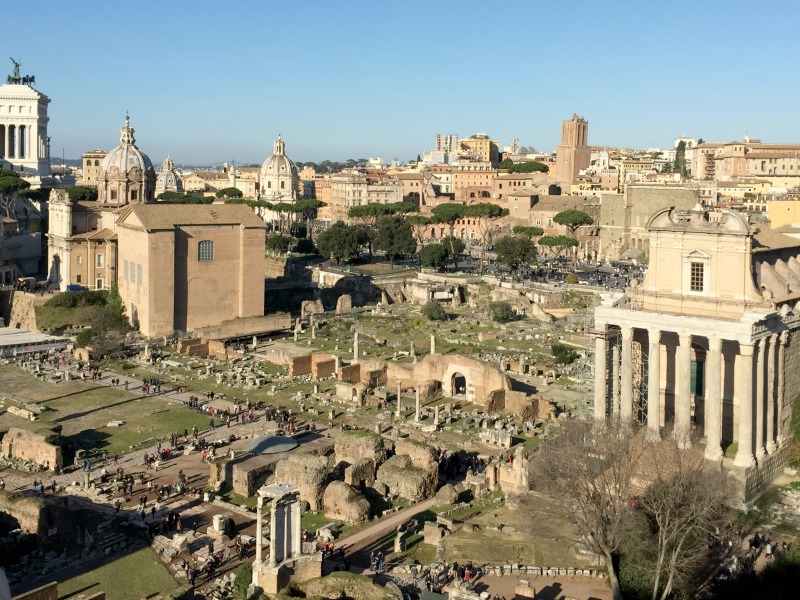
{"x":771,"y":239}
{"x":102,"y":234}
{"x":168,"y":216}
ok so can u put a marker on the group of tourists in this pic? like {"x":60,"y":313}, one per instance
{"x":376,"y":561}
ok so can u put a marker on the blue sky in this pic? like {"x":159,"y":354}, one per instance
{"x":210,"y":81}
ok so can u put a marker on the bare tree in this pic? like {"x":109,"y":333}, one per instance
{"x":590,"y":468}
{"x":677,"y":513}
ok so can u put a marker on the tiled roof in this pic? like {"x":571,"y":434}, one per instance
{"x":168,"y":216}
{"x":771,"y":239}
{"x":102,"y":234}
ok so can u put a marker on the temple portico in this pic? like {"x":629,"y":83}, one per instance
{"x":703,"y":346}
{"x":715,"y":378}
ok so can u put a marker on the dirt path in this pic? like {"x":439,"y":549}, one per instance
{"x":359,"y":541}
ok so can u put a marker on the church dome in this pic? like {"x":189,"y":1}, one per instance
{"x":167,"y":179}
{"x":278,"y":180}
{"x":126,"y":174}
{"x":279,"y":163}
{"x":127,"y":156}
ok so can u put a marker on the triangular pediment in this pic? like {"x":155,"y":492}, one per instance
{"x":697,"y":254}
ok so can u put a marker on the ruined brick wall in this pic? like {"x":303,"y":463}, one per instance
{"x":47,"y":518}
{"x":26,"y":510}
{"x":306,"y":472}
{"x":361,"y":472}
{"x":516,"y":401}
{"x":343,"y":503}
{"x":352,"y":447}
{"x":300,"y":365}
{"x":246,"y":326}
{"x":26,"y":445}
{"x":422,"y":470}
{"x":481,"y":379}
{"x":216,"y":349}
{"x":350,"y":373}
{"x":247,"y":478}
{"x":322,"y":366}
{"x":404,"y":480}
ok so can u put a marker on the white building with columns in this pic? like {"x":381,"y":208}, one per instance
{"x":705,"y":347}
{"x":24,"y":144}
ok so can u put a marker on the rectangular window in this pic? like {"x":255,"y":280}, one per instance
{"x":125,"y":270}
{"x":138,"y":274}
{"x":79,"y":259}
{"x":696,"y":277}
{"x":78,"y":279}
{"x":113,"y":194}
{"x":99,"y":261}
{"x":134,"y":194}
{"x":205,"y":250}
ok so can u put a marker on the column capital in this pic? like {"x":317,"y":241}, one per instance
{"x":654,"y":335}
{"x":746,"y":348}
{"x":684,"y":338}
{"x":715,"y":344}
{"x":627,"y":332}
{"x":784,"y":337}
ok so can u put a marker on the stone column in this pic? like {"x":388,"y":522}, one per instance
{"x":781,"y":385}
{"x":259,"y":528}
{"x":744,"y":364}
{"x":626,"y":385}
{"x":713,"y":400}
{"x":416,"y":414}
{"x":355,"y":347}
{"x":297,"y":544}
{"x":287,"y":530}
{"x":615,"y":380}
{"x":770,"y":446}
{"x":600,"y":352}
{"x":654,"y":384}
{"x":683,"y":390}
{"x":337,"y":365}
{"x":433,"y":344}
{"x":436,"y":415}
{"x":273,"y":533}
{"x":761,"y":367}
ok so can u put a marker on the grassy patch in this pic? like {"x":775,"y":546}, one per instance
{"x":238,"y":499}
{"x":131,"y":577}
{"x":311,"y":521}
{"x":83,"y":410}
{"x":417,"y":551}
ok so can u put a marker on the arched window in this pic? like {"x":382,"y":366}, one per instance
{"x":283,"y":184}
{"x":97,"y":163}
{"x":205,"y":250}
{"x":269,"y":184}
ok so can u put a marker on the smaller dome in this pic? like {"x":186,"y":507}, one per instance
{"x":127,"y":156}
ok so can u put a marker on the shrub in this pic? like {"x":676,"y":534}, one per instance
{"x":563,"y":354}
{"x":84,"y":338}
{"x":244,"y":577}
{"x":572,"y":279}
{"x":304,"y":246}
{"x":434,"y":311}
{"x":501,"y":312}
{"x":278,"y":243}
